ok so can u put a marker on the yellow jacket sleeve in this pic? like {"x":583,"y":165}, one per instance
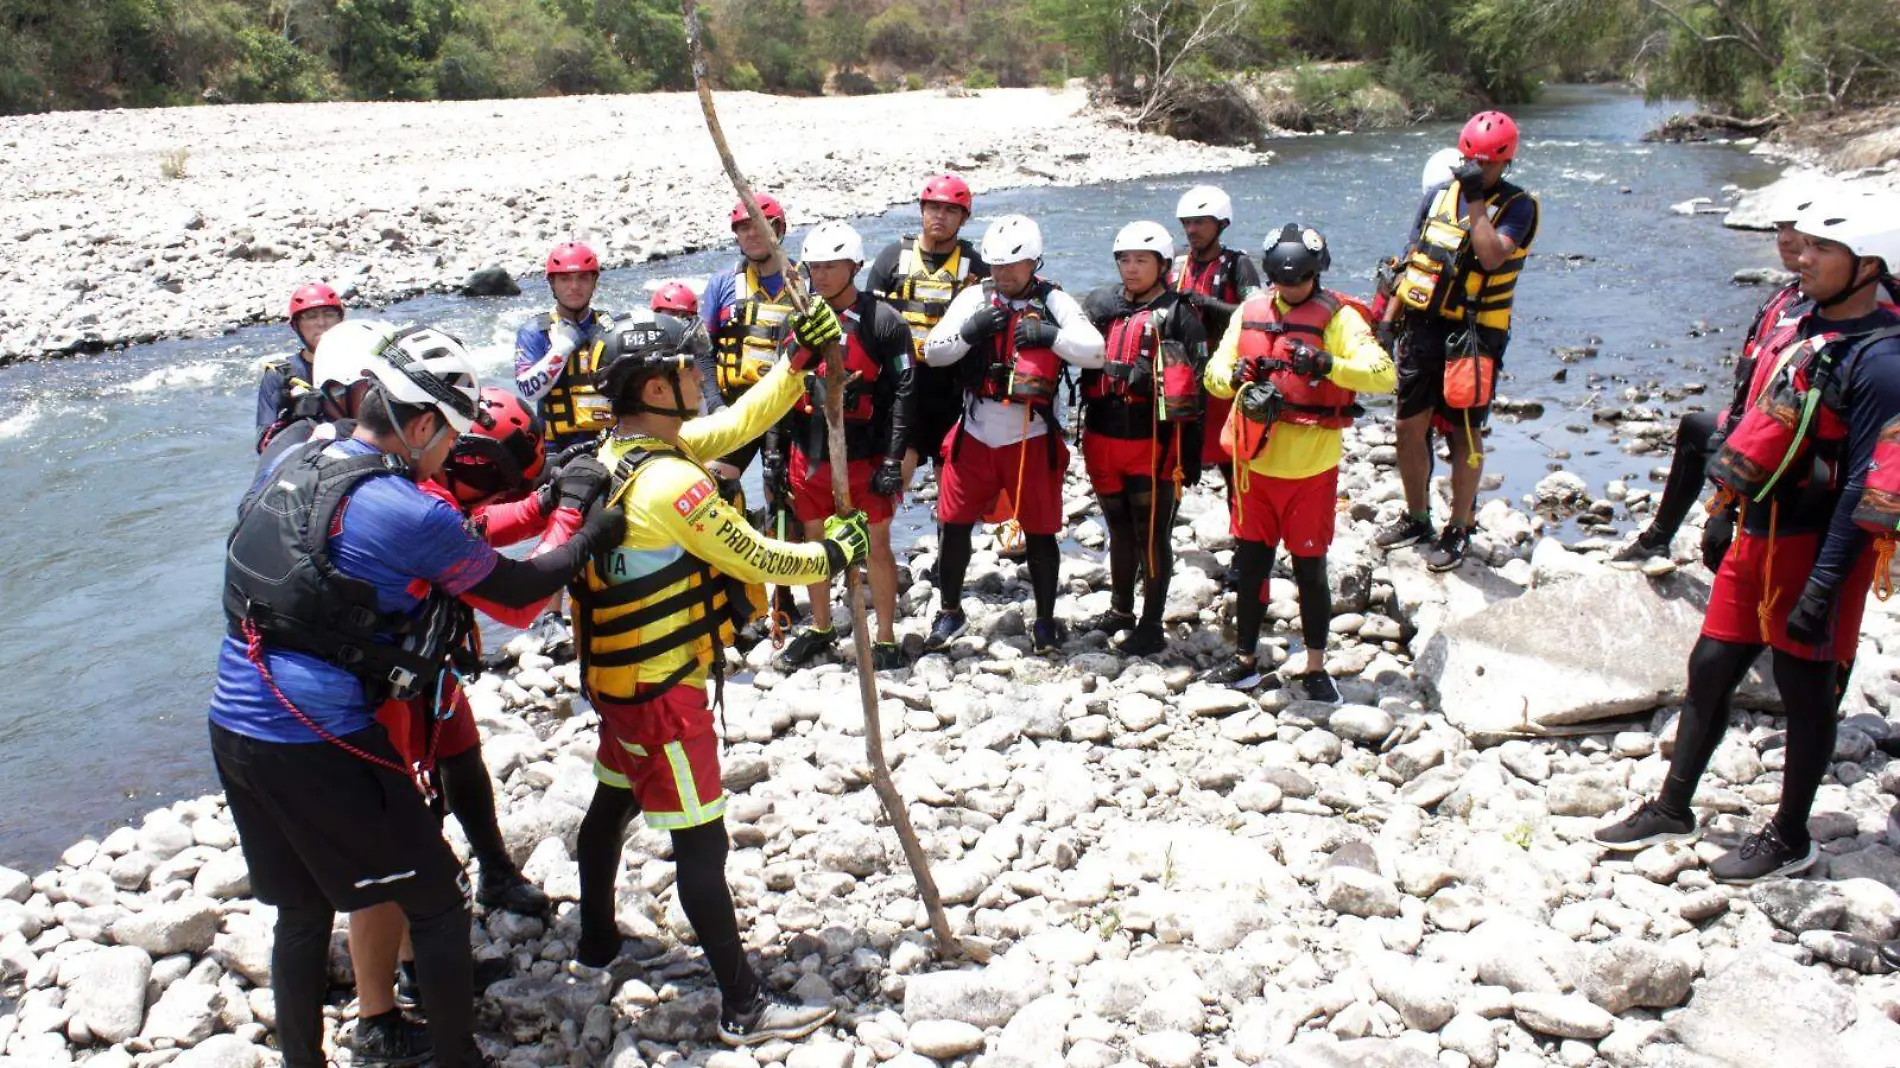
{"x":1219,"y":377}
{"x":1359,"y":363}
{"x":711,"y":436}
{"x":673,"y":501}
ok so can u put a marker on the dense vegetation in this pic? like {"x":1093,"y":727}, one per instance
{"x":1743,"y":56}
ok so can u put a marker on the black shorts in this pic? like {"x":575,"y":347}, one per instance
{"x":322,"y":829}
{"x":1421,"y":367}
{"x":939,"y":406}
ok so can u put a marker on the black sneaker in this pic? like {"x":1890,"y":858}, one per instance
{"x":1649,"y":825}
{"x":1403,"y":531}
{"x":806,"y":645}
{"x":948,"y":627}
{"x":1313,"y":686}
{"x":1640,"y":548}
{"x":1763,"y":855}
{"x":1449,"y":550}
{"x":1111,"y":623}
{"x":510,"y":891}
{"x":1047,"y":637}
{"x":886,"y":656}
{"x":1239,"y":673}
{"x":1146,"y":639}
{"x":770,"y":1017}
{"x":389,"y":1041}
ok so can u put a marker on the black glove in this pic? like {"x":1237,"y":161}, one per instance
{"x":1470,"y":179}
{"x":1252,"y":369}
{"x":1102,"y":306}
{"x":1036,"y":333}
{"x":1812,"y":620}
{"x":578,"y":484}
{"x":1261,"y":402}
{"x":603,"y":530}
{"x":888,"y":479}
{"x":1311,"y":363}
{"x":1386,"y":333}
{"x":1196,"y":300}
{"x":1717,"y":537}
{"x":984,"y":323}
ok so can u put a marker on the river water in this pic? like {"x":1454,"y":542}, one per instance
{"x":121,"y":471}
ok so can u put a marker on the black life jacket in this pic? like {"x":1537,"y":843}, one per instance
{"x":279,"y":578}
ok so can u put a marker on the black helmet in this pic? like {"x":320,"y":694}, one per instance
{"x":640,"y":347}
{"x":1295,"y":255}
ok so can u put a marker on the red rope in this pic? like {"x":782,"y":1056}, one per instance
{"x":254,"y":651}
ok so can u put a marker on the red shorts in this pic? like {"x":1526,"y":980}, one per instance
{"x":976,"y":475}
{"x":666,"y":752}
{"x":409,"y":732}
{"x":812,"y":499}
{"x":1213,"y":450}
{"x":1749,"y":578}
{"x":1112,"y":461}
{"x":1298,"y":512}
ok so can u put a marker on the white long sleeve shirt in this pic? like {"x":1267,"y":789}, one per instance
{"x":992,"y":422}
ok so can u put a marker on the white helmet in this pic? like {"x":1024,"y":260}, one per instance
{"x":1205,"y":202}
{"x":1146,"y":236}
{"x":1011,"y":239}
{"x":1438,"y":169}
{"x":423,"y":366}
{"x":343,"y":356}
{"x":830,"y":242}
{"x":1866,"y":221}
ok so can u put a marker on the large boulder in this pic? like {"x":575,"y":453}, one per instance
{"x":1766,"y":1011}
{"x":1575,"y":652}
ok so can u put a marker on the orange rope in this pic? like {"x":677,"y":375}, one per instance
{"x":1764,"y":612}
{"x":1006,"y":543}
{"x":1883,"y":561}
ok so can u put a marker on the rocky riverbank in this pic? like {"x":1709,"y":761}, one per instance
{"x":127,"y":226}
{"x":1165,"y":874}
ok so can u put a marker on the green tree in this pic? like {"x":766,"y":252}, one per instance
{"x":388,"y":48}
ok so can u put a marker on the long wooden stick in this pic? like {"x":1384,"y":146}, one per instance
{"x":835,"y":379}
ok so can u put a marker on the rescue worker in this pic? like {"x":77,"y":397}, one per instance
{"x":675,"y":298}
{"x":555,"y":354}
{"x":1018,"y":328}
{"x":1796,"y":578}
{"x":340,"y":581}
{"x":314,"y":309}
{"x":1699,"y":434}
{"x":1214,"y":279}
{"x":877,"y":414}
{"x":487,"y":477}
{"x":655,"y":613}
{"x":1296,"y":354}
{"x":745,"y":310}
{"x":1141,"y":431}
{"x":919,"y":277}
{"x":1456,"y":284}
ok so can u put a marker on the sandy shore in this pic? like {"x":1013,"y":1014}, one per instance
{"x":388,"y":200}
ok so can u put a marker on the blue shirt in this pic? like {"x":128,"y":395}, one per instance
{"x":391,"y":535}
{"x":531,"y":343}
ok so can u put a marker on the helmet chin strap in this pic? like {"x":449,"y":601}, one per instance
{"x":1848,"y":291}
{"x":679,"y":409}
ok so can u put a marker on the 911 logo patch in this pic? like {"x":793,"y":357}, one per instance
{"x":693,"y":498}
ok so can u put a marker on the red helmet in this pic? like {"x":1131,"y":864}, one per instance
{"x":677,"y":298}
{"x":947,"y":189}
{"x":504,"y":457}
{"x":573,"y":258}
{"x":1490,"y":137}
{"x":768,"y":207}
{"x":313,"y":295}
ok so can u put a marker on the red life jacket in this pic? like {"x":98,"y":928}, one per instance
{"x":858,"y":396}
{"x":1214,"y":278}
{"x":1789,"y":409}
{"x":1270,"y":334}
{"x":1879,"y":509}
{"x":1019,"y":376}
{"x":1135,"y":354}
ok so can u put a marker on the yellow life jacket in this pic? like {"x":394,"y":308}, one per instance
{"x":747,"y":344}
{"x":922,"y":295}
{"x":638,"y":605}
{"x":1441,"y":273}
{"x":572,"y":406}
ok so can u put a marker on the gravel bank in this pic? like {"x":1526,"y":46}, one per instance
{"x":388,"y":200}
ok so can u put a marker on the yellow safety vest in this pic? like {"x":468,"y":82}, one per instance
{"x":922,"y":295}
{"x":747,"y":344}
{"x":1441,"y":273}
{"x":572,"y":405}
